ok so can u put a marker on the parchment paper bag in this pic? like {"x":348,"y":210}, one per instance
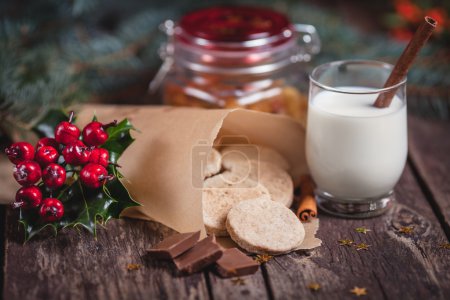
{"x":162,"y":166}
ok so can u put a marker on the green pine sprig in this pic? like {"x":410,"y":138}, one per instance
{"x":62,"y":55}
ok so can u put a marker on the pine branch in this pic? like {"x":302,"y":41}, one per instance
{"x":57,"y":56}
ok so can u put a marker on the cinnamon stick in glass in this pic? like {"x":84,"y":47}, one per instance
{"x":307,"y":207}
{"x":405,"y":61}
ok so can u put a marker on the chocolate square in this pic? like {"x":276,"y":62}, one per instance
{"x":203,"y":254}
{"x":235,"y":263}
{"x":174,"y":245}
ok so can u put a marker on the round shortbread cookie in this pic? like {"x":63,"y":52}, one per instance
{"x":219,"y":195}
{"x":262,"y":226}
{"x":231,"y":154}
{"x":213,"y":163}
{"x":277,"y":181}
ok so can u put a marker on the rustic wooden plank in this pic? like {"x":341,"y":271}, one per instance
{"x":429,"y":145}
{"x":396,"y":266}
{"x":248,"y":287}
{"x":78,"y":266}
{"x":97,"y":268}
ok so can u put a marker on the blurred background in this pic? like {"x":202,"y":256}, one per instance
{"x":54,"y":53}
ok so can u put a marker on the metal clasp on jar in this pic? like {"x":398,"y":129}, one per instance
{"x":166,"y":54}
{"x":311,"y":43}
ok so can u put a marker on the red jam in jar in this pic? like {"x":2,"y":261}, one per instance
{"x":236,"y":56}
{"x":234,"y":24}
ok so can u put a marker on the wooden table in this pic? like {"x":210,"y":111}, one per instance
{"x":74,"y":265}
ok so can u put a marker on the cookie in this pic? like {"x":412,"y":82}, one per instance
{"x":277,"y":181}
{"x":220,"y":193}
{"x":263,"y":226}
{"x":231,"y":154}
{"x":213,"y":163}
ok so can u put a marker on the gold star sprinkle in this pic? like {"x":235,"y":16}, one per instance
{"x":362,"y":246}
{"x":133,"y":267}
{"x":314,"y":286}
{"x":238,"y":281}
{"x":262,"y":258}
{"x":345,"y":242}
{"x":406,"y":229}
{"x":362,"y":230}
{"x":445,"y":246}
{"x":358,"y":291}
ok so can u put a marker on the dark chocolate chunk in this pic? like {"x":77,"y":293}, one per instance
{"x":235,"y":263}
{"x":205,"y":253}
{"x":174,"y":245}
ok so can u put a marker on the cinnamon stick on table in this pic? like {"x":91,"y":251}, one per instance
{"x":405,"y":61}
{"x":307,"y":207}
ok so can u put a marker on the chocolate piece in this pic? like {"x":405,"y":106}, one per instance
{"x":174,"y":245}
{"x":235,"y":263}
{"x":200,"y":256}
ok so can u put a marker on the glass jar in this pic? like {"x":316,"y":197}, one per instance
{"x":235,"y":56}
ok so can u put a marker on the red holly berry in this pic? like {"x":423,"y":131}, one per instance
{"x":409,"y":11}
{"x":54,"y":176}
{"x":47,"y":142}
{"x":94,"y":175}
{"x":66,"y":132}
{"x":94,"y":134}
{"x":51,"y":210}
{"x":27,"y":173}
{"x":99,"y":156}
{"x":76,"y":153}
{"x":28,"y":197}
{"x":46,"y":155}
{"x":19,"y":152}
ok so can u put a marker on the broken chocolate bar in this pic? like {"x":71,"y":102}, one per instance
{"x":235,"y":263}
{"x":174,"y":245}
{"x":205,"y":253}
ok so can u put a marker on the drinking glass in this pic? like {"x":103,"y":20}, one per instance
{"x":355,"y":151}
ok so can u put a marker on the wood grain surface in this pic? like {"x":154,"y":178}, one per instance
{"x":430,"y":154}
{"x":75,"y":265}
{"x":396,"y":266}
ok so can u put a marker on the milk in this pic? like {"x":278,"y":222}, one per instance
{"x":355,"y":150}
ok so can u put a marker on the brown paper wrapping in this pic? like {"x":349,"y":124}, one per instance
{"x":161,"y":169}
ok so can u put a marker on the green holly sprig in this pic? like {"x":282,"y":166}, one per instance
{"x":83,"y":207}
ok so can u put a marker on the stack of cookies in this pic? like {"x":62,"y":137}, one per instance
{"x":247,"y":195}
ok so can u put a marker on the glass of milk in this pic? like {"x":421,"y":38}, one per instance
{"x":355,"y":151}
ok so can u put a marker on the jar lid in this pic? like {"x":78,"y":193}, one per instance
{"x":243,"y":25}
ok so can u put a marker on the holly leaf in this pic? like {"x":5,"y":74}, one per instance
{"x":32,"y":224}
{"x":84,"y":207}
{"x":89,"y":207}
{"x":119,"y":140}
